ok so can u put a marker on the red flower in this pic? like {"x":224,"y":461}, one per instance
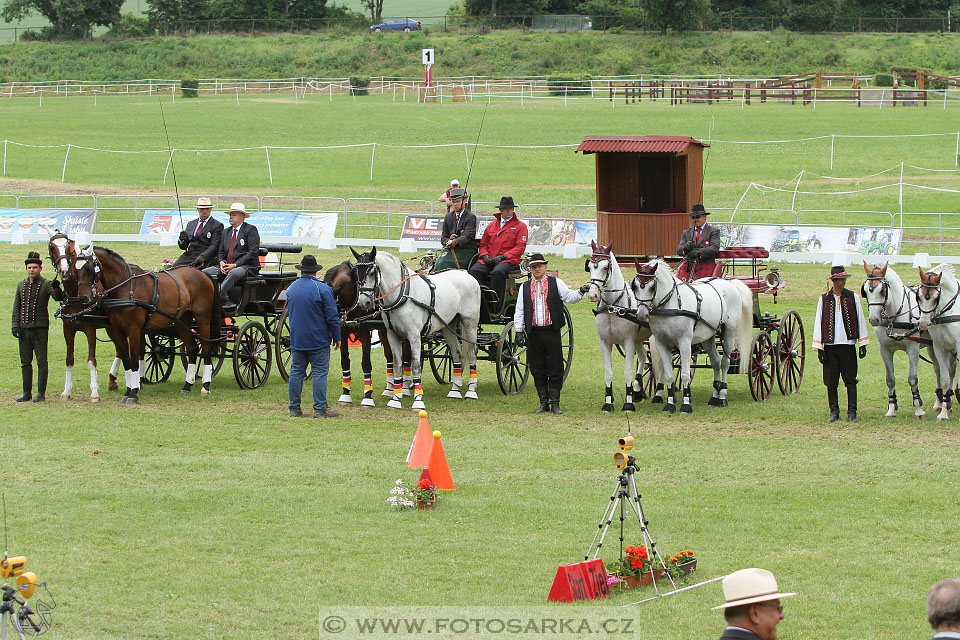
{"x":636,"y":563}
{"x":424,"y":484}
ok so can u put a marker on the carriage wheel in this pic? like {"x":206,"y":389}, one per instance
{"x":566,"y":342}
{"x":762,"y":366}
{"x":791,"y":353}
{"x":216,"y":357}
{"x":158,"y":359}
{"x":512,"y":368}
{"x":441,"y":363}
{"x":281,"y":341}
{"x":252,"y":355}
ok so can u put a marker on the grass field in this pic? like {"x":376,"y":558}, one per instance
{"x":221,"y":517}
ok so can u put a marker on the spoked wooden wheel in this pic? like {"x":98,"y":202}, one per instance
{"x":791,"y":353}
{"x":566,"y":342}
{"x":252,"y":355}
{"x":512,"y":368}
{"x":647,"y":380}
{"x":281,"y":341}
{"x":762,"y":366}
{"x":158,"y":358}
{"x":441,"y":363}
{"x":216,"y":357}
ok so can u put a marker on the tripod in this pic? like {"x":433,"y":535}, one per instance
{"x":22,"y":614}
{"x":625,"y":493}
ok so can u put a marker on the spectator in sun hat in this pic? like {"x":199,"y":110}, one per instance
{"x":943,"y":609}
{"x":200,"y":241}
{"x":752,"y":609}
{"x":31,"y":323}
{"x":459,"y":234}
{"x":503,"y":243}
{"x":239,"y":254}
{"x":839,"y":336}
{"x":698,"y":246}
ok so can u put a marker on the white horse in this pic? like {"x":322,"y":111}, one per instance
{"x":682,"y":314}
{"x":617,"y":323}
{"x":940,"y":315}
{"x":412,"y":306}
{"x":894,"y":312}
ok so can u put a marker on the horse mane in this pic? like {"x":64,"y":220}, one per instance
{"x":332,"y":272}
{"x":113,"y":254}
{"x":946,"y":267}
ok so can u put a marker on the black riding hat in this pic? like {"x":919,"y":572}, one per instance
{"x":33,"y":258}
{"x":535,"y":259}
{"x":457,"y":193}
{"x":506,"y":202}
{"x":698,"y":210}
{"x":309,"y":264}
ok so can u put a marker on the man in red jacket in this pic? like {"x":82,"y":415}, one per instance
{"x":503,"y":243}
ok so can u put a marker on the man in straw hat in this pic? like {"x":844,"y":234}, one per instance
{"x":503,"y":243}
{"x":839,"y":333}
{"x":31,"y":322}
{"x":943,"y":608}
{"x":200,"y":241}
{"x":239,"y":254}
{"x":699,"y":246}
{"x":459,"y":234}
{"x":752,"y":608}
{"x":314,"y":325}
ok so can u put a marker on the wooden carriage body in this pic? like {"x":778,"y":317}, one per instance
{"x":646,"y":187}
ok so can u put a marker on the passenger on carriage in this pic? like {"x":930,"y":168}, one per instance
{"x":239,"y":254}
{"x":501,"y":248}
{"x":459,"y":234}
{"x":200,"y":241}
{"x":699,"y":246}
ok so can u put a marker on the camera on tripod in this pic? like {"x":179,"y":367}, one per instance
{"x":622,"y":459}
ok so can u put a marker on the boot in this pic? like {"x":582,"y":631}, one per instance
{"x":834,"y":403}
{"x":544,"y":399}
{"x":555,"y":401}
{"x":27,"y":375}
{"x":41,"y":385}
{"x":852,"y":403}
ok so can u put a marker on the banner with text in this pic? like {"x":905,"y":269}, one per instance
{"x":46,"y":221}
{"x":268,"y":223}
{"x":789,"y":239}
{"x":540,"y":232}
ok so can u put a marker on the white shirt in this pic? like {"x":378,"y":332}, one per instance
{"x":568,"y":295}
{"x":840,"y":332}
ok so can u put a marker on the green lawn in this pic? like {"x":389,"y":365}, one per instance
{"x":221,"y":517}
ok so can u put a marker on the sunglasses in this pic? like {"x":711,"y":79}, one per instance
{"x":778,"y":606}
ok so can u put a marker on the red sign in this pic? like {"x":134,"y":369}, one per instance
{"x":582,"y":581}
{"x":422,"y":227}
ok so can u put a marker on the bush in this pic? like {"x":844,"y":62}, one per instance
{"x":188,"y":87}
{"x":359,"y":84}
{"x":29,"y":35}
{"x":130,"y":26}
{"x":883,"y":80}
{"x":559,"y":85}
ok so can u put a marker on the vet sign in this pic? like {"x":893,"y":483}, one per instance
{"x":428,"y":58}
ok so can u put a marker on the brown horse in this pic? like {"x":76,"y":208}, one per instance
{"x":341,"y":279}
{"x":137,"y":302}
{"x":62,"y":253}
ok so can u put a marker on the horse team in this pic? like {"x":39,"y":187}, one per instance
{"x":655,"y":307}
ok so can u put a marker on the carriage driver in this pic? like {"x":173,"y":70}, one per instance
{"x":839,"y":336}
{"x":459,"y":234}
{"x":200,"y":241}
{"x":239,"y":254}
{"x":503,"y":243}
{"x":698,"y":246}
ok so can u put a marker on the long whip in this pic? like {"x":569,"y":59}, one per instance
{"x":475,"y":145}
{"x":173,"y":169}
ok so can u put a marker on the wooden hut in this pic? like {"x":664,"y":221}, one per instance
{"x":646,"y":187}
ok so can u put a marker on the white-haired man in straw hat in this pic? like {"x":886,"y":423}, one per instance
{"x":200,"y":241}
{"x":752,"y":608}
{"x":943,"y":609}
{"x":239,"y":254}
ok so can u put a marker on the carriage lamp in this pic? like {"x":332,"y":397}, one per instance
{"x":773,"y":278}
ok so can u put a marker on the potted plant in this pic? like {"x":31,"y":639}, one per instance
{"x":422,"y":496}
{"x":634,"y":567}
{"x":685,"y":562}
{"x":426,"y":494}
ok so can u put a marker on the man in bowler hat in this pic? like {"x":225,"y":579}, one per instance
{"x":459,"y":234}
{"x":699,"y":245}
{"x":31,"y":322}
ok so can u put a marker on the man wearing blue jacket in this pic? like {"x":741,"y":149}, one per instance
{"x":314,"y":325}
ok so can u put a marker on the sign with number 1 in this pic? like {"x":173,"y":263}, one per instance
{"x":428,"y":56}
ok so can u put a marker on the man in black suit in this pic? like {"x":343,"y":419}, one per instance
{"x":459,"y":234}
{"x":239,"y":254}
{"x":699,"y":246}
{"x":752,"y":608}
{"x":200,"y":241}
{"x":943,"y":609}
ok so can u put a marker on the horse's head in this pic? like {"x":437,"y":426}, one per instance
{"x":340,"y":279}
{"x":600,"y":265}
{"x":644,"y":286}
{"x":937,"y":294}
{"x":367,"y":277}
{"x":87,"y":270}
{"x":62,"y":254}
{"x":876,"y":290}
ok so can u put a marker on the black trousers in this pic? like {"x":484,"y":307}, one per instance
{"x":33,"y":342}
{"x":839,"y":361}
{"x":493,"y":278}
{"x":545,"y":356}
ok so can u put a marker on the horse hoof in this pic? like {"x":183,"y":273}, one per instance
{"x":723,"y":403}
{"x":669,"y":408}
{"x":921,"y":416}
{"x":367,"y":402}
{"x":345,"y":399}
{"x":656,"y":400}
{"x":471,"y":395}
{"x":628,"y":407}
{"x":713,"y":402}
{"x":456,"y":395}
{"x":607,"y":407}
{"x":113,"y":387}
{"x":64,"y":396}
{"x":685,"y":408}
{"x":94,"y":398}
{"x":205,"y":391}
{"x":395,"y":404}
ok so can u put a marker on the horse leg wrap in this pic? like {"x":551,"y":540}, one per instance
{"x":918,"y":411}
{"x":367,"y":391}
{"x":608,"y":400}
{"x":127,"y":384}
{"x":190,"y":379}
{"x":714,"y":400}
{"x":68,"y":384}
{"x":388,"y":390}
{"x":657,"y":394}
{"x":723,"y":394}
{"x":142,"y":370}
{"x":418,"y":394}
{"x":638,"y":392}
{"x":628,"y":400}
{"x":114,"y":370}
{"x":94,"y":382}
{"x":407,"y":377}
{"x":457,"y":382}
{"x":397,"y":394}
{"x":686,"y":407}
{"x":347,"y":383}
{"x":207,"y":377}
{"x":671,"y":405}
{"x":472,"y":385}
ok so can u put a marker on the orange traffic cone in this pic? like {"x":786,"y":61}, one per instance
{"x":419,"y":452}
{"x":437,"y":466}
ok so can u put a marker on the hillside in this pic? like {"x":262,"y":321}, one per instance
{"x":499,"y":53}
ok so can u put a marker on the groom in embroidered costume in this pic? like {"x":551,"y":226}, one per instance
{"x":839,"y":336}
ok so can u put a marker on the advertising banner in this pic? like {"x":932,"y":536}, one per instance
{"x":555,"y":233}
{"x":791,"y":239}
{"x":70,"y":221}
{"x":422,"y":227}
{"x":268,"y":223}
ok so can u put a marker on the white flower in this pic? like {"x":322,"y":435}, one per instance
{"x":399,"y":481}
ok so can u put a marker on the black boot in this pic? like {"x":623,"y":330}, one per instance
{"x":41,"y":385}
{"x":27,"y":374}
{"x":555,"y":401}
{"x":544,"y":399}
{"x":834,"y":403}
{"x":852,"y":403}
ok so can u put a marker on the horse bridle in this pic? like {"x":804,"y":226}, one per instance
{"x":596,"y":259}
{"x":937,"y":318}
{"x":644,"y":278}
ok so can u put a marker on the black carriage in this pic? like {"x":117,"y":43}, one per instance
{"x":252,"y":337}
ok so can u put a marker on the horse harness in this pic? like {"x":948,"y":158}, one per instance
{"x":939,"y":318}
{"x":889,"y":322}
{"x":656,"y":309}
{"x":613,"y":308}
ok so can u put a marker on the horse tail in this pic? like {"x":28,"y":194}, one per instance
{"x":745,"y":326}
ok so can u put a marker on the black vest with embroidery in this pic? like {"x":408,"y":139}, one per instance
{"x":848,"y":312}
{"x":554,"y":304}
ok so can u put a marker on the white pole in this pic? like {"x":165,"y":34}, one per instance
{"x":169,"y":161}
{"x":883,"y":92}
{"x":956,"y":153}
{"x":296,"y":94}
{"x":4,"y":157}
{"x":945,"y":97}
{"x":404,"y":93}
{"x":833,"y":139}
{"x":814,"y":99}
{"x":565,"y":91}
{"x":266,"y":150}
{"x":63,"y":175}
{"x":94,"y":97}
{"x":41,"y":97}
{"x":394,"y":93}
{"x":901,"y":193}
{"x":793,"y":203}
{"x":373,"y":152}
{"x":173,"y":96}
{"x":238,"y":95}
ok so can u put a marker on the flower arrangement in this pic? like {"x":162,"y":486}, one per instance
{"x":682,"y":564}
{"x":683,"y":557}
{"x":403,"y":497}
{"x":635,"y":562}
{"x":426,"y":492}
